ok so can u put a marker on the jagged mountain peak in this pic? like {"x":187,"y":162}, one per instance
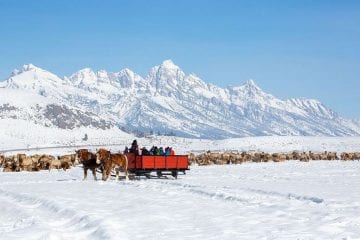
{"x":30,"y":73}
{"x":251,"y":84}
{"x":29,"y":67}
{"x":84,"y":72}
{"x":15,"y":72}
{"x":169,"y":64}
{"x":127,"y":71}
{"x":167,"y":67}
{"x":249,"y":88}
{"x":84,"y":77}
{"x":129,"y":79}
{"x":166,"y":77}
{"x":36,"y":80}
{"x":102,"y":74}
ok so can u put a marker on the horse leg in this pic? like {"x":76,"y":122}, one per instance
{"x":126,"y":174}
{"x":117,"y":173}
{"x":94,"y":173}
{"x":126,"y":168}
{"x":85,"y":173}
{"x":105,"y":174}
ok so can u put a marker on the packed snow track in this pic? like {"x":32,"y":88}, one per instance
{"x":290,"y":200}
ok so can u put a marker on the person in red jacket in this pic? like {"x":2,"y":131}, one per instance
{"x":172,"y":152}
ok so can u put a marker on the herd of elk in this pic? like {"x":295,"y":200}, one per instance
{"x":107,"y":161}
{"x":209,"y":158}
{"x":23,"y":162}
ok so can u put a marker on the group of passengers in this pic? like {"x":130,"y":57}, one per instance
{"x":158,"y":151}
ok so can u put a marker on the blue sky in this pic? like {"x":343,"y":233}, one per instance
{"x":290,"y":48}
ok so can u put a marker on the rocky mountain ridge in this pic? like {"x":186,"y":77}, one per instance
{"x":166,"y":101}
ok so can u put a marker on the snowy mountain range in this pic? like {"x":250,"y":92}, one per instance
{"x":166,"y":101}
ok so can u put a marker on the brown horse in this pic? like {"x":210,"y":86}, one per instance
{"x":110,"y":161}
{"x":88,"y":161}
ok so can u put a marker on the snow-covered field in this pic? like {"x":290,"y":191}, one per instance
{"x":116,"y":141}
{"x":289,"y":200}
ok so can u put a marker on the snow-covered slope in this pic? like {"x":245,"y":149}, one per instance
{"x":23,"y":105}
{"x":166,"y":101}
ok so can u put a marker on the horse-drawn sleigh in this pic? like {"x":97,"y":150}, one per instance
{"x":131,"y":163}
{"x":142,"y":165}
